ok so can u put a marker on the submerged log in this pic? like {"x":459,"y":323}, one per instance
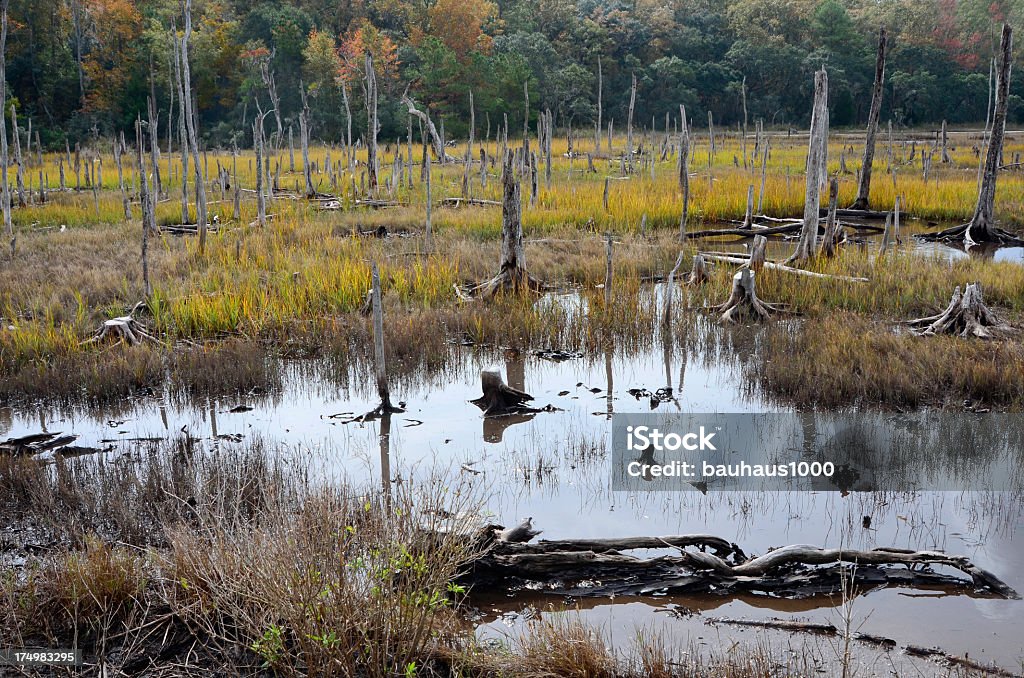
{"x":965,"y":316}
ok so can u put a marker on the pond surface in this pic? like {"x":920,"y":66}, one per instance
{"x":556,"y":467}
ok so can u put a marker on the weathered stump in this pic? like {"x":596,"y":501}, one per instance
{"x":743,"y":301}
{"x":123,"y":328}
{"x":965,"y":316}
{"x":498,"y":397}
{"x":699,"y":272}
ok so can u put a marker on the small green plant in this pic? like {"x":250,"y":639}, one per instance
{"x":271,"y":645}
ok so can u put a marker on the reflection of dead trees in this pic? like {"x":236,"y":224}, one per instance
{"x":743,"y":302}
{"x":965,"y":316}
{"x":512,"y":277}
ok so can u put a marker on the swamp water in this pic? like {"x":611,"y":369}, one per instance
{"x":556,"y":467}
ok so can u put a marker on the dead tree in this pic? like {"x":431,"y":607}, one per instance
{"x":124,"y":329}
{"x":20,"y":176}
{"x":5,"y":187}
{"x":743,"y":302}
{"x":348,"y":128}
{"x":498,"y":397}
{"x":817,"y":160}
{"x":982,"y":226}
{"x":864,"y":187}
{"x":891,"y":234}
{"x":758,"y":250}
{"x":307,"y":171}
{"x":442,"y":156}
{"x":371,"y":124}
{"x":629,"y":126}
{"x":125,"y":200}
{"x":597,"y":124}
{"x":833,"y":232}
{"x":380,"y":367}
{"x":698,"y":272}
{"x":945,"y":140}
{"x":192,"y":123}
{"x":512,"y":276}
{"x":270,"y":83}
{"x":684,"y":170}
{"x":429,"y":226}
{"x":147,"y":205}
{"x":259,"y":147}
{"x":182,"y":128}
{"x":966,"y":316}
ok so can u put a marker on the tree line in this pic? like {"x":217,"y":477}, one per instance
{"x":81,"y":69}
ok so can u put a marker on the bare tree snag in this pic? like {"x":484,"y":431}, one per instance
{"x":743,"y":302}
{"x":348,"y":128}
{"x":862,"y":201}
{"x":748,"y":216}
{"x":597,"y":124}
{"x":945,"y":140}
{"x":442,"y":156}
{"x":307,"y":169}
{"x":512,"y":275}
{"x":126,"y":203}
{"x":371,"y":124}
{"x":429,"y":226}
{"x":145,"y":199}
{"x":380,"y":367}
{"x":192,"y":123}
{"x":608,"y":271}
{"x":182,"y":127}
{"x":817,"y":160}
{"x":982,"y":226}
{"x":20,"y":175}
{"x":966,"y":316}
{"x":629,"y":126}
{"x":259,"y":148}
{"x":764,"y":176}
{"x":833,"y":231}
{"x":498,"y":397}
{"x":891,"y":234}
{"x":684,"y":171}
{"x":5,"y":187}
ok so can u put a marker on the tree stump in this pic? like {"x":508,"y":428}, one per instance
{"x":699,"y":272}
{"x":966,"y":316}
{"x":499,"y":398}
{"x":124,"y":328}
{"x":743,"y":301}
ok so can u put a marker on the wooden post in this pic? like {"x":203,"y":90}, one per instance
{"x":862,"y":201}
{"x":816,"y":159}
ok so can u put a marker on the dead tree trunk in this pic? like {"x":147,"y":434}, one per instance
{"x":371,"y":124}
{"x":758,"y":250}
{"x":832,"y":235}
{"x":816,"y":162}
{"x":698,"y":271}
{"x":5,"y":187}
{"x":192,"y":122}
{"x":597,"y":125}
{"x":258,"y":146}
{"x":182,"y":128}
{"x":380,"y":367}
{"x":864,"y":188}
{"x":629,"y":126}
{"x":965,"y":316}
{"x":145,"y":199}
{"x":20,"y":176}
{"x":307,"y":171}
{"x":125,"y":200}
{"x":498,"y":397}
{"x":348,"y":128}
{"x":439,"y":151}
{"x":430,"y":230}
{"x":512,"y":275}
{"x":684,"y":170}
{"x":982,"y":226}
{"x":945,"y":140}
{"x":743,"y":302}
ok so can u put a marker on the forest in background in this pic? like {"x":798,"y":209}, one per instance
{"x":83,"y":68}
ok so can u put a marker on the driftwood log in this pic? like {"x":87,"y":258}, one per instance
{"x":966,"y":316}
{"x":599,"y":567}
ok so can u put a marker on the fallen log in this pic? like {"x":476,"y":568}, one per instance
{"x":786,"y":228}
{"x":478,"y":202}
{"x":601,"y":568}
{"x":825,"y":629}
{"x":35,"y":443}
{"x":781,"y":267}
